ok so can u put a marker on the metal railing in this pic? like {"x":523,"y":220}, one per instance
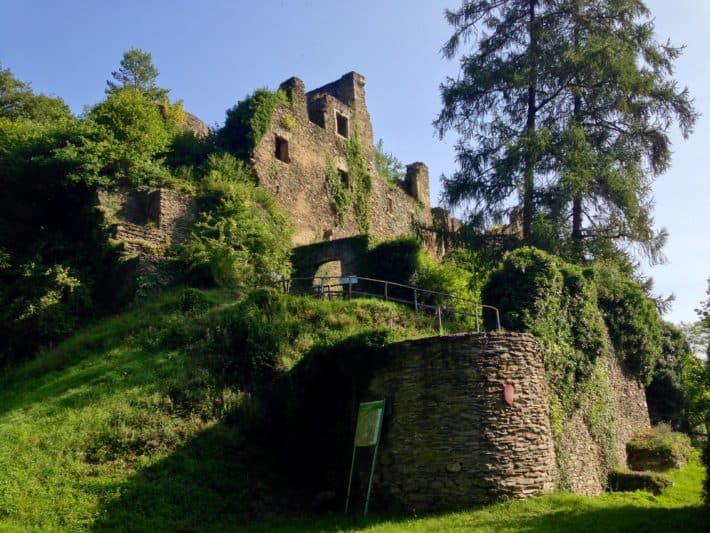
{"x":422,"y":300}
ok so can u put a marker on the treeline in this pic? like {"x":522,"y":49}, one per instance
{"x":58,"y":263}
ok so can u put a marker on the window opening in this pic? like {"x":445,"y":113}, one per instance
{"x":281,"y":151}
{"x":342,"y":124}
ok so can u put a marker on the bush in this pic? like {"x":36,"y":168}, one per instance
{"x":667,"y":394}
{"x":633,"y":320}
{"x":244,"y":238}
{"x":622,"y":481}
{"x":556,"y":302}
{"x":248,"y":121}
{"x":658,"y":448}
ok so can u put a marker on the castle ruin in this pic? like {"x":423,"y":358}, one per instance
{"x":313,"y":129}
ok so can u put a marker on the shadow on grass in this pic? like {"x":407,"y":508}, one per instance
{"x":566,"y":518}
{"x":204,"y":485}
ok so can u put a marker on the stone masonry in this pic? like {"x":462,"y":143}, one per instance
{"x":450,"y":439}
{"x":290,"y":161}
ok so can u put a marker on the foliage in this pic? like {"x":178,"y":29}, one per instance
{"x":339,"y":196}
{"x":18,"y":101}
{"x":138,"y":73}
{"x":55,"y":267}
{"x":659,"y":445}
{"x":360,"y":181}
{"x":634,"y":323}
{"x":248,"y":121}
{"x":555,"y":301}
{"x":388,"y":166}
{"x":568,"y":105}
{"x":666,"y":395}
{"x":244,"y":237}
{"x":355,"y":193}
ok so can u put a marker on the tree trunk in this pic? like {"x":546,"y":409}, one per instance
{"x":529,"y":171}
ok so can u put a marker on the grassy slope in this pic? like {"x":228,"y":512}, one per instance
{"x":677,"y":509}
{"x":120,"y":427}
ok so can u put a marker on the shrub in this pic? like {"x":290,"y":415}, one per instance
{"x":248,"y":121}
{"x":244,"y":237}
{"x":622,"y":481}
{"x":556,"y":302}
{"x":658,"y":448}
{"x":634,"y":323}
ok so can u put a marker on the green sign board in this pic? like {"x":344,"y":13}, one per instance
{"x":369,"y":423}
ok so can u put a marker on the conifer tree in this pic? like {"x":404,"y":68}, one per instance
{"x":137,"y":71}
{"x":567,"y":103}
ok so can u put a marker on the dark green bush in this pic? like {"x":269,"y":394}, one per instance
{"x":633,"y":320}
{"x":658,"y":448}
{"x":248,"y":121}
{"x":622,"y":481}
{"x":556,"y":302}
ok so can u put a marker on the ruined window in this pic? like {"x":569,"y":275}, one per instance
{"x":342,"y":124}
{"x":390,"y":204}
{"x":281,"y":151}
{"x":344,"y":179}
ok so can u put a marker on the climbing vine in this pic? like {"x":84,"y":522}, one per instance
{"x":249,"y":120}
{"x":357,"y":195}
{"x":361,"y":181}
{"x":338,"y":195}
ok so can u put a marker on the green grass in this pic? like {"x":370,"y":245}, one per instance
{"x":127,"y":427}
{"x":123,"y":425}
{"x":678,"y":508}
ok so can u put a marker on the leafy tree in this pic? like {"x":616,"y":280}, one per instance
{"x":123,"y":140}
{"x":388,"y":166}
{"x":137,"y":71}
{"x":17,"y":100}
{"x":569,"y":104}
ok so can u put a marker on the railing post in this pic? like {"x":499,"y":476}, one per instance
{"x":438,"y":314}
{"x":350,"y":288}
{"x":416,"y":304}
{"x":386,"y":296}
{"x":476,"y":312}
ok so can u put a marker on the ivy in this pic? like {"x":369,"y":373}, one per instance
{"x":357,"y":196}
{"x":361,"y":181}
{"x":338,"y":195}
{"x":249,"y":120}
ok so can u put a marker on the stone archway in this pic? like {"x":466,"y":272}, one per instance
{"x":349,"y":252}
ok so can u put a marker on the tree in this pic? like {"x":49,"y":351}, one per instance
{"x":569,"y":104}
{"x":137,"y":71}
{"x":18,"y":101}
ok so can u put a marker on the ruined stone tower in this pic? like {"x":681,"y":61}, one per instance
{"x":312,"y":131}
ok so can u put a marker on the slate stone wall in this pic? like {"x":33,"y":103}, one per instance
{"x":309,"y":126}
{"x":450,"y":439}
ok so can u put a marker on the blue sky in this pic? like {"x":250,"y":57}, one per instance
{"x":212,"y":53}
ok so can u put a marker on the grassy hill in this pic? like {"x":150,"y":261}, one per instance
{"x":146,"y":421}
{"x":135,"y":422}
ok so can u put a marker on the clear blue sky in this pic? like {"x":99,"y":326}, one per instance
{"x":212,"y":53}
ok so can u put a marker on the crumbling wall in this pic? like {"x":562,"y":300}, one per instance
{"x":296,"y":174}
{"x":147,"y":223}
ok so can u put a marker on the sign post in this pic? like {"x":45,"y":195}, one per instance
{"x":367,"y":435}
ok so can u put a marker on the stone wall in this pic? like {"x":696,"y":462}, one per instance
{"x":296,"y":177}
{"x":450,"y":439}
{"x":147,"y":223}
